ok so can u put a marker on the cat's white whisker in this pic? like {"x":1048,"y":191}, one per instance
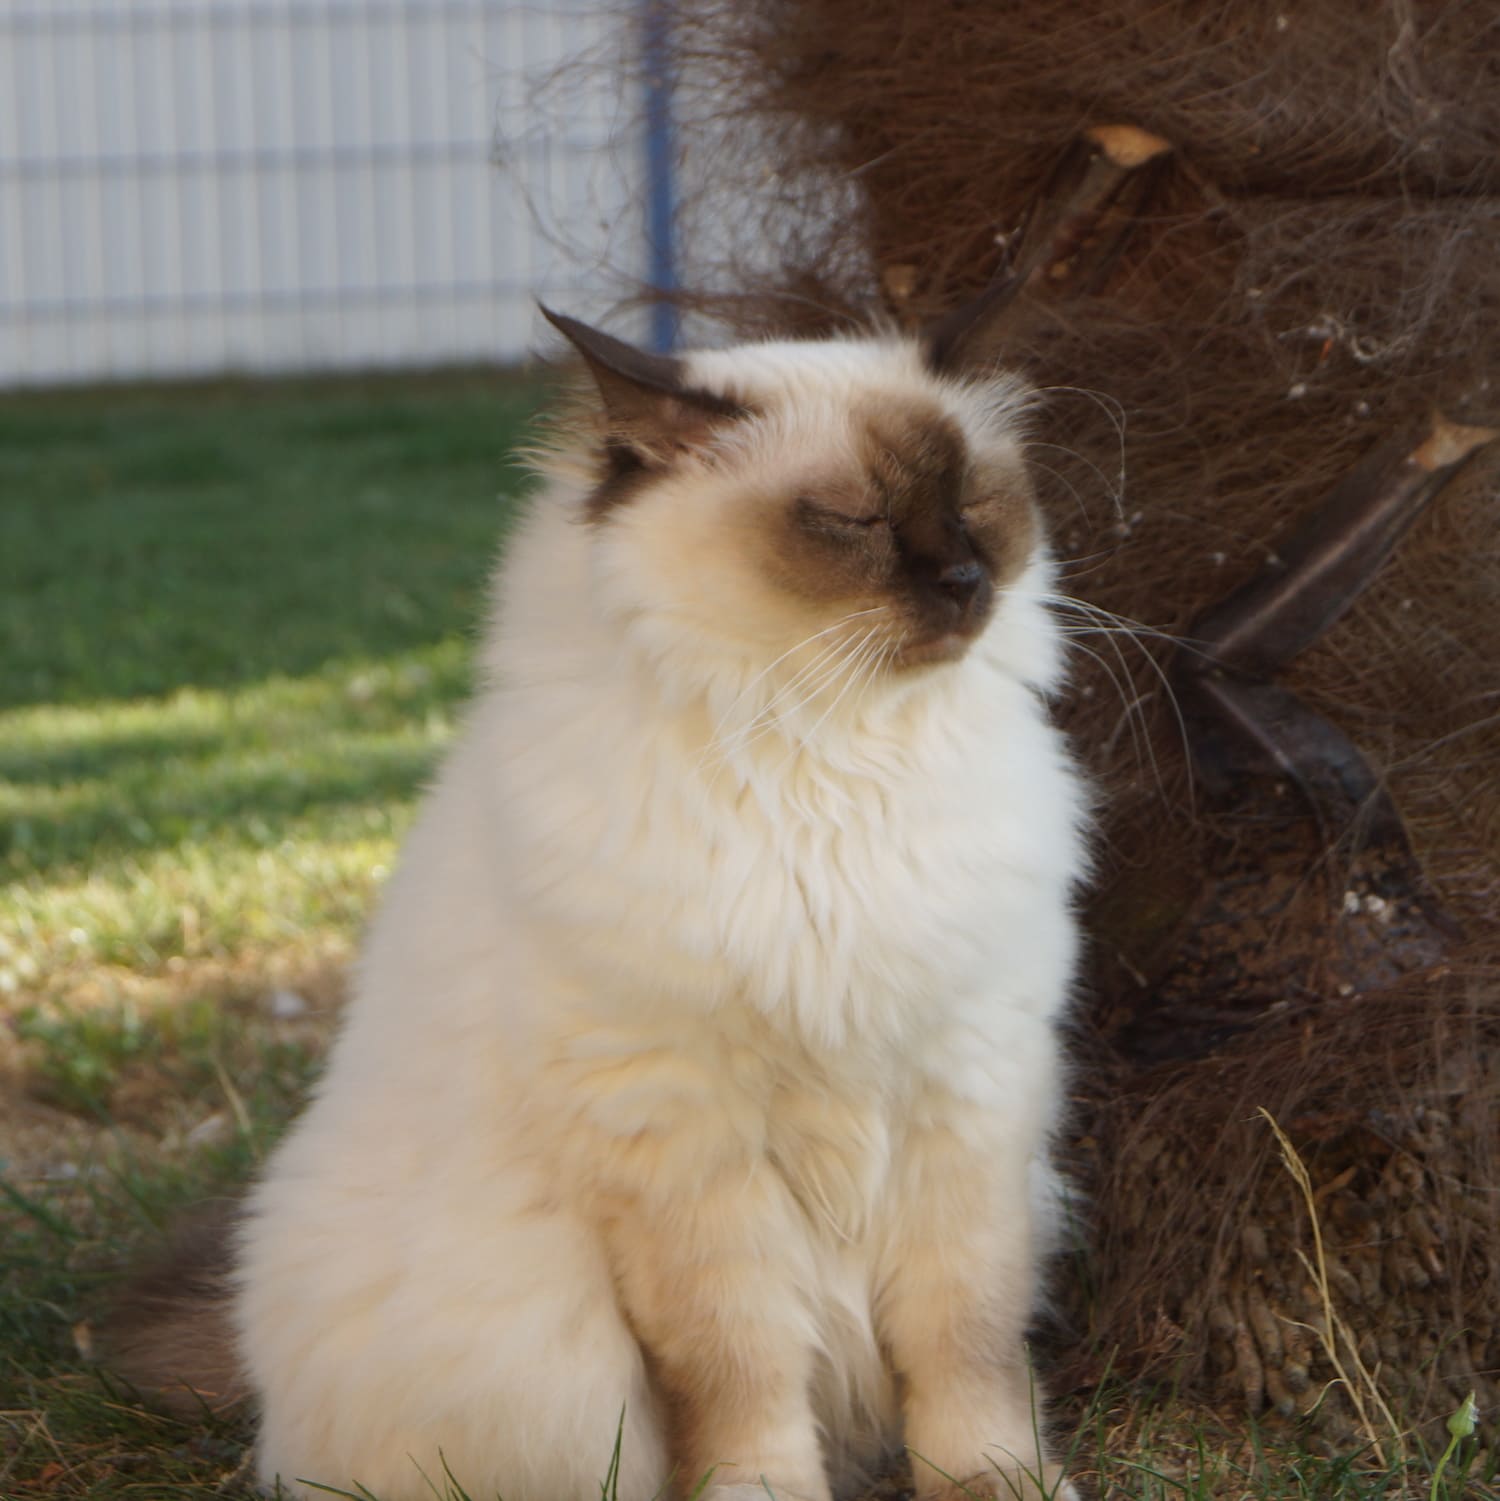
{"x":815,"y":675}
{"x":1120,"y":625}
{"x":1062,"y":479}
{"x":770,"y":667}
{"x":1116,"y":494}
{"x":1094,"y":620}
{"x":1081,"y":565}
{"x":866,"y":652}
{"x":1130,"y":705}
{"x":826,"y":680}
{"x":721,"y":745}
{"x":1098,"y":612}
{"x":1114,"y":409}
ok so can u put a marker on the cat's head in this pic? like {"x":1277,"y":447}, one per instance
{"x":863,"y":496}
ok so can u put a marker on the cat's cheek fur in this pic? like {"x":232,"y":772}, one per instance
{"x":680,"y":572}
{"x":707,"y":1098}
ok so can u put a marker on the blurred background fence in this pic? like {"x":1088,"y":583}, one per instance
{"x":190,"y":187}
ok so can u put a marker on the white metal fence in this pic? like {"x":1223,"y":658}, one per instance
{"x":195,"y":186}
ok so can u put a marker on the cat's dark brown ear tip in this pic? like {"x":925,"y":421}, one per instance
{"x":574,"y":331}
{"x":616,"y":364}
{"x":645,"y":395}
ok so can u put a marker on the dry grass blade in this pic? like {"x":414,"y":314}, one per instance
{"x":1363,"y":1392}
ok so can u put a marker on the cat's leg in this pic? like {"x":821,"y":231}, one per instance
{"x":469,"y":1325}
{"x":715,"y":1283}
{"x":956,"y":1290}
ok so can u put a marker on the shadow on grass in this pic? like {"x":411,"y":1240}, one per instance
{"x":255,"y":800}
{"x":214,"y":536}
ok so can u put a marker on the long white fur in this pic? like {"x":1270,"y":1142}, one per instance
{"x":661,"y":917}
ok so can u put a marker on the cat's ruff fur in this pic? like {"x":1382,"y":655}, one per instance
{"x":696,"y":1021}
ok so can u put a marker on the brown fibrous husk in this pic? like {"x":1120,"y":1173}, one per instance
{"x":1319,"y":268}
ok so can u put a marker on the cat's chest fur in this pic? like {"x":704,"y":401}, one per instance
{"x":848,"y":892}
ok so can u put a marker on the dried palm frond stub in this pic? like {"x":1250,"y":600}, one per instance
{"x":1313,"y":888}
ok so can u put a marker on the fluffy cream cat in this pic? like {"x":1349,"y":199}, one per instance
{"x":704,"y":1052}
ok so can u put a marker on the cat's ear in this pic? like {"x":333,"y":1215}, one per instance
{"x":648,"y":403}
{"x":969,"y":335}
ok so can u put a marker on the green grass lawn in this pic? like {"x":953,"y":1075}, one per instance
{"x":235,"y":627}
{"x":235,"y":630}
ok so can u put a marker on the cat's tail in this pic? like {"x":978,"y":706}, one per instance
{"x":169,"y":1333}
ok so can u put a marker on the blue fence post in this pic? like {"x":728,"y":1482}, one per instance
{"x":661,"y":189}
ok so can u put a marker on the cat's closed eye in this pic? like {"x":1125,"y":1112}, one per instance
{"x":818,"y":517}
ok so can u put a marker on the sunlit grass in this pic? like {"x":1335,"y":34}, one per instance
{"x":214,"y":822}
{"x":237,"y":623}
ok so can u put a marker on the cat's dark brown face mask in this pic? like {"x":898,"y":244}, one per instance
{"x":923,"y":526}
{"x":912,"y":530}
